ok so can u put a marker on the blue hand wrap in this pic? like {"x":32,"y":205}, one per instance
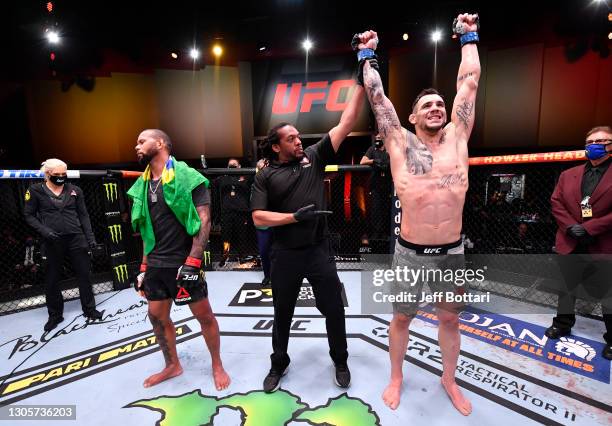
{"x":471,"y":37}
{"x":365,"y":54}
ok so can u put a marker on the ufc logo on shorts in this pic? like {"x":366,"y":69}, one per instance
{"x":191,"y":277}
{"x":432,"y":250}
{"x":304,"y":95}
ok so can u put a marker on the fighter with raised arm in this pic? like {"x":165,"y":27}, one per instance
{"x":430,"y":174}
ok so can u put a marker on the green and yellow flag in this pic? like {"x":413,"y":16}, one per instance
{"x":178,"y":180}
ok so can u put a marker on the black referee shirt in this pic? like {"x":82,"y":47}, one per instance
{"x":287,"y":187}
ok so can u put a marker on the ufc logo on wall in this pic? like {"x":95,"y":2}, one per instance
{"x":288,"y":100}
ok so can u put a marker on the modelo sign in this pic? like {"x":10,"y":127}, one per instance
{"x":311,"y":99}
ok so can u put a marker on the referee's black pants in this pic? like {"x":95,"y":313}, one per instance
{"x":289,"y":268}
{"x":55,"y":250}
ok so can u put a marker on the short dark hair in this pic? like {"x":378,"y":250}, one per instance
{"x":596,"y":129}
{"x":425,"y":92}
{"x":160,"y":134}
{"x":272,"y":138}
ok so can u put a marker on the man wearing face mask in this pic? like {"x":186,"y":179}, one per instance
{"x":56,"y":210}
{"x":235,"y":192}
{"x":582,"y":207}
{"x":380,"y":187}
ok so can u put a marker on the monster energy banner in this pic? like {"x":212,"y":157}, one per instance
{"x":115,"y":233}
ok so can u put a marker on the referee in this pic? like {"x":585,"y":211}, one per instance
{"x":56,"y":210}
{"x":289,"y":197}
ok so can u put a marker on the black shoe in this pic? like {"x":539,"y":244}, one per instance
{"x":272,"y":381}
{"x":342,"y":377}
{"x":52,"y":323}
{"x":607,"y":352}
{"x":94,"y":314}
{"x":266,"y":282}
{"x":553,"y":332}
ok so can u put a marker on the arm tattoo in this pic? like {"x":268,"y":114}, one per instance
{"x":464,"y":113}
{"x":201,"y":238}
{"x":464,"y":76}
{"x":160,"y":335}
{"x":418,"y":157}
{"x":383,"y":109}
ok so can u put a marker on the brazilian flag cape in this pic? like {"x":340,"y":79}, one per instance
{"x":177,"y":180}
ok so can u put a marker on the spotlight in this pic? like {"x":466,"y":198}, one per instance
{"x":405,"y":36}
{"x":53,"y":37}
{"x":174,"y":55}
{"x":194,"y":53}
{"x":307,"y":45}
{"x":436,"y":36}
{"x":217,"y":50}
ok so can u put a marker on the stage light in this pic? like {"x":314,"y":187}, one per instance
{"x":194,"y":53}
{"x":262,"y":48}
{"x":53,"y":37}
{"x":50,"y":6}
{"x":174,"y":55}
{"x":436,"y":36}
{"x":52,"y":56}
{"x":405,"y":36}
{"x":307,"y":45}
{"x":610,"y":36}
{"x":217,"y":50}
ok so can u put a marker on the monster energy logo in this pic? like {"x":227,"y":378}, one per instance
{"x":111,"y":191}
{"x":122,"y":273}
{"x":206,"y":259}
{"x":115,"y":232}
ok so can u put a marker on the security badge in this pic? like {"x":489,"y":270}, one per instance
{"x":586,"y":208}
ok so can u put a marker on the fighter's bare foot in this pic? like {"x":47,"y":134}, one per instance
{"x":222,"y":379}
{"x":392,"y":394}
{"x":167,"y":373}
{"x":461,"y":403}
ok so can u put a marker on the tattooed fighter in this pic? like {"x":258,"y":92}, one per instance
{"x":171,"y":210}
{"x":430,"y":173}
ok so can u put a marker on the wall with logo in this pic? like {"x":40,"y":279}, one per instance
{"x":311,"y":98}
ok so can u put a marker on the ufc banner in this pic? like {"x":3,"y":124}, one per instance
{"x":312,"y":99}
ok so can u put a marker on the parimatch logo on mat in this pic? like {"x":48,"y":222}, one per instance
{"x":258,"y":408}
{"x":253,"y":294}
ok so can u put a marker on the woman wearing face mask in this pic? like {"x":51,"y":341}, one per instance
{"x":56,"y":210}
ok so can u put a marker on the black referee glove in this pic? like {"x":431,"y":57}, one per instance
{"x":309,"y":213}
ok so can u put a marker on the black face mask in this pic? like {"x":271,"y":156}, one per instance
{"x":57,"y":180}
{"x":379,"y":143}
{"x":144,"y":160}
{"x":232,"y":166}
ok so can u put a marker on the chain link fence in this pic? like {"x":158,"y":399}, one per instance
{"x":507,"y":212}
